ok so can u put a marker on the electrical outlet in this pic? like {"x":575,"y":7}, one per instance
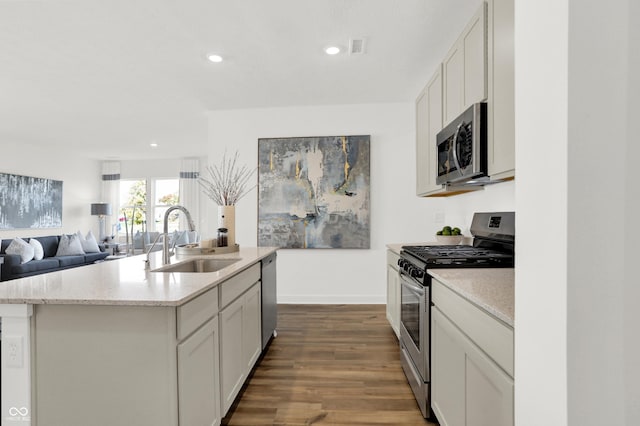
{"x":14,"y":351}
{"x":438,"y":217}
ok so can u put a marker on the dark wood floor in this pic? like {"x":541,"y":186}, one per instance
{"x":331,"y":365}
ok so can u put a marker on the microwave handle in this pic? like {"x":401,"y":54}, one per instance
{"x":455,"y":148}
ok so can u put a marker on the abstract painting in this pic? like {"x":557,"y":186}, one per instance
{"x":313,"y":192}
{"x":30,"y":202}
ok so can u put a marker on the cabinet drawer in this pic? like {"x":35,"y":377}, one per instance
{"x":196,"y":312}
{"x":392,"y":259}
{"x":491,"y":335}
{"x":235,"y":286}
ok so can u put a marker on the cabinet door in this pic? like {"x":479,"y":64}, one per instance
{"x":465,"y":68}
{"x":252,"y":329}
{"x":489,"y":391}
{"x":500,"y":111}
{"x":232,"y":366}
{"x":468,"y":388}
{"x":428,"y":124}
{"x":198,"y":381}
{"x":474,"y":41}
{"x":447,"y":371}
{"x":453,"y":80}
{"x":422,"y":143}
{"x":393,"y":299}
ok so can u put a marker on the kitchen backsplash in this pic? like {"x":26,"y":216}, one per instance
{"x":459,"y":209}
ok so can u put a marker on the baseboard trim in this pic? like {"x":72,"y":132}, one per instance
{"x":331,"y":300}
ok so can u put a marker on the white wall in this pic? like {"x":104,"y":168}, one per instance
{"x":397,"y":215}
{"x":80,"y":187}
{"x":576,"y":353}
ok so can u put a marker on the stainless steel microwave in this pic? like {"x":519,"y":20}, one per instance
{"x":462,"y":147}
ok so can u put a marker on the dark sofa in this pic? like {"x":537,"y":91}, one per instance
{"x":12,"y":268}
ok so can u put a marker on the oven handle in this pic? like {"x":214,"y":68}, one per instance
{"x":409,"y":283}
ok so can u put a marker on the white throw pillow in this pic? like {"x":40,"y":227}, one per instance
{"x":69,"y":245}
{"x":38,"y":251}
{"x":89,"y":243}
{"x":22,"y":248}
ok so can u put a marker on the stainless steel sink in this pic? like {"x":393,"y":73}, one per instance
{"x":198,"y":265}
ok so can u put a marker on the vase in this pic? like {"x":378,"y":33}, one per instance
{"x":227,"y":219}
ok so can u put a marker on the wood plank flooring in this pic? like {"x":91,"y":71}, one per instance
{"x":329,"y":365}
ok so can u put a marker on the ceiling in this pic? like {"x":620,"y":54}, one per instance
{"x":107,"y":78}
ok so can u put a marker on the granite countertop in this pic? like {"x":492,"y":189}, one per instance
{"x":126,"y":282}
{"x":492,"y":289}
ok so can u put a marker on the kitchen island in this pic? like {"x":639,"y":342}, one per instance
{"x":114,"y":343}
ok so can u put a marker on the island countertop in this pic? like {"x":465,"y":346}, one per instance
{"x":126,"y":282}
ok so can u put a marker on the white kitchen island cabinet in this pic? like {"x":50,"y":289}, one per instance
{"x":240,"y":333}
{"x":198,"y":377}
{"x":111,"y":343}
{"x":471,"y":364}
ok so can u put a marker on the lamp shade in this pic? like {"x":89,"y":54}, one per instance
{"x":101,"y":209}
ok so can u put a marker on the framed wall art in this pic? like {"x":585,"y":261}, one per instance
{"x":314,"y":192}
{"x":30,"y":202}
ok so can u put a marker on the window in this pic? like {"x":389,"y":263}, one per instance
{"x":166,"y":194}
{"x":144,"y":202}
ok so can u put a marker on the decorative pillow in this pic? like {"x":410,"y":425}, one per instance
{"x":89,"y":243}
{"x":22,"y":248}
{"x":69,"y":245}
{"x":38,"y":251}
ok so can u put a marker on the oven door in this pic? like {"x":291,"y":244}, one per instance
{"x":414,"y":326}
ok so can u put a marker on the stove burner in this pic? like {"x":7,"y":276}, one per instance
{"x":469,"y":256}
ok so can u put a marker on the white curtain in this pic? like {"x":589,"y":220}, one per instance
{"x":190,"y":190}
{"x":111,"y":192}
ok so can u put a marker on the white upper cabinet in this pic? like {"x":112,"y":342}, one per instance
{"x":465,"y":68}
{"x":501,"y":118}
{"x":478,"y":68}
{"x":428,"y":124}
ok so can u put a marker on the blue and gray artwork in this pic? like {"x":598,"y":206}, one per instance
{"x":313,"y":192}
{"x":30,"y":202}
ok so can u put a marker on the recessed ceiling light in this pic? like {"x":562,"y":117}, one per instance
{"x":332,"y":50}
{"x":214,"y":58}
{"x":153,"y":145}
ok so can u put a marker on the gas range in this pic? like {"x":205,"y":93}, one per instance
{"x":493,"y":247}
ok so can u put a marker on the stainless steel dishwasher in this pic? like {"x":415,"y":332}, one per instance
{"x":269,"y":299}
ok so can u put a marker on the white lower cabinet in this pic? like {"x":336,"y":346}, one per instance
{"x":393,"y":292}
{"x":240,"y":343}
{"x":469,"y":388}
{"x":198,"y":380}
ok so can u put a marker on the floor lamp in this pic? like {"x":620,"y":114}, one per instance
{"x":101,"y":210}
